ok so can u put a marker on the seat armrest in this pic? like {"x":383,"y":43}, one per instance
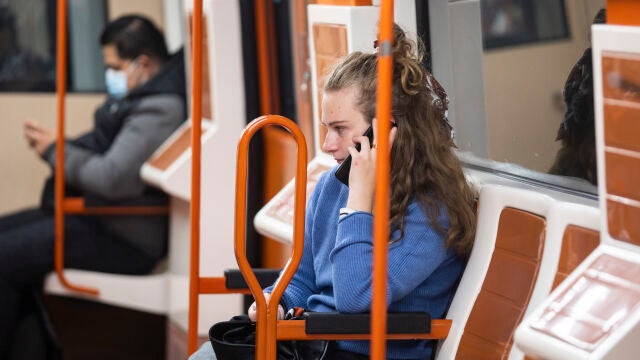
{"x":235,"y":280}
{"x":337,"y":323}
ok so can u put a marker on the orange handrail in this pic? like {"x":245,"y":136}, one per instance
{"x":196,"y":152}
{"x":61,"y":88}
{"x":267,"y":317}
{"x":266,"y":326}
{"x":295,"y":330}
{"x":381,"y":207}
{"x":75,"y":205}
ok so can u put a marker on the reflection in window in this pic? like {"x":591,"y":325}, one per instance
{"x":512,"y":22}
{"x":26,"y":61}
{"x":28,"y":45}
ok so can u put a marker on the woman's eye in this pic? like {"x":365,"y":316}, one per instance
{"x":339,"y":130}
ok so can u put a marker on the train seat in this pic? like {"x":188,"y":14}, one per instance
{"x":148,"y":293}
{"x":501,"y":273}
{"x":578,"y":228}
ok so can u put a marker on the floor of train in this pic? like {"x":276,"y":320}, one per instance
{"x":90,"y":330}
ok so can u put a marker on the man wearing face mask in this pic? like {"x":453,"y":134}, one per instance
{"x":146,"y":103}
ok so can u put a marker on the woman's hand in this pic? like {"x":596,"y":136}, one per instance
{"x":253,"y":314}
{"x":363,"y":169}
{"x":38,"y":137}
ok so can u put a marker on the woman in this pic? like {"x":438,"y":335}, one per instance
{"x":431,"y":215}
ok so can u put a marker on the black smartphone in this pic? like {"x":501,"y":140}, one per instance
{"x":343,"y":171}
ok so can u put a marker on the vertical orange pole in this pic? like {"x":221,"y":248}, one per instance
{"x":381,"y":207}
{"x":623,"y":12}
{"x":263,"y":51}
{"x":61,"y":88}
{"x":196,"y":124}
{"x":267,"y":71}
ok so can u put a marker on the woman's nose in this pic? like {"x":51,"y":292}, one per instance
{"x":329,"y":144}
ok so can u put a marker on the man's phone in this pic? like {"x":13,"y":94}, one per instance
{"x":343,"y":171}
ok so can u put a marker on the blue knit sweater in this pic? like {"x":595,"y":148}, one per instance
{"x":335,"y":273}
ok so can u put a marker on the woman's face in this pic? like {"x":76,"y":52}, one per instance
{"x":343,"y":121}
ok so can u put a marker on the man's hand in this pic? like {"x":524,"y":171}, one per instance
{"x":38,"y":137}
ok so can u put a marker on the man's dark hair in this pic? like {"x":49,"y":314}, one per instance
{"x":135,"y":35}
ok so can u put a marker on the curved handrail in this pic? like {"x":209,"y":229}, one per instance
{"x":61,"y":88}
{"x":196,"y":154}
{"x":267,"y":314}
{"x":75,"y":205}
{"x":381,"y":203}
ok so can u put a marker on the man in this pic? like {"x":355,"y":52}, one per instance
{"x":146,"y":104}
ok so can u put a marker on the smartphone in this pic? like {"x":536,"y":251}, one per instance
{"x":343,"y":171}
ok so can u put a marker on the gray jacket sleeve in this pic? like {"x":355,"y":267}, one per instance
{"x":116,"y":173}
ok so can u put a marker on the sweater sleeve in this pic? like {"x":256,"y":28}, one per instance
{"x":410,"y":260}
{"x":116,"y":173}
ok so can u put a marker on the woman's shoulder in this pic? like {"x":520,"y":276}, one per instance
{"x":418,"y":212}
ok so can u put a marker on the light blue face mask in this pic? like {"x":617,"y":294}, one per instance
{"x":116,"y":81}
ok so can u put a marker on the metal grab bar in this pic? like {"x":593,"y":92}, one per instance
{"x":296,"y":330}
{"x":267,"y":315}
{"x":74,"y":205}
{"x":196,"y":155}
{"x":61,"y":88}
{"x":381,"y":203}
{"x":268,"y":99}
{"x":266,"y":326}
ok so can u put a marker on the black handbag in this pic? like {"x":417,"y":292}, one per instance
{"x":236,"y":340}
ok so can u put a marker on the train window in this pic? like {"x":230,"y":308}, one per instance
{"x":511,"y":22}
{"x":28,"y":45}
{"x":526,"y":102}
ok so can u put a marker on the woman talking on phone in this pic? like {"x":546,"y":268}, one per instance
{"x":432,"y":221}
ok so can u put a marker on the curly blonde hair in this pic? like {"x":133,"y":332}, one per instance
{"x":423,"y":163}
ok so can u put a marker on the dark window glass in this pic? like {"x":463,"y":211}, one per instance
{"x":28,"y":45}
{"x":514,"y":22}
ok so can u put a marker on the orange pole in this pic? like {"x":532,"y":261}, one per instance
{"x":381,"y":207}
{"x":266,"y":326}
{"x":623,"y":12}
{"x":267,"y":70}
{"x":196,"y":152}
{"x":61,"y":88}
